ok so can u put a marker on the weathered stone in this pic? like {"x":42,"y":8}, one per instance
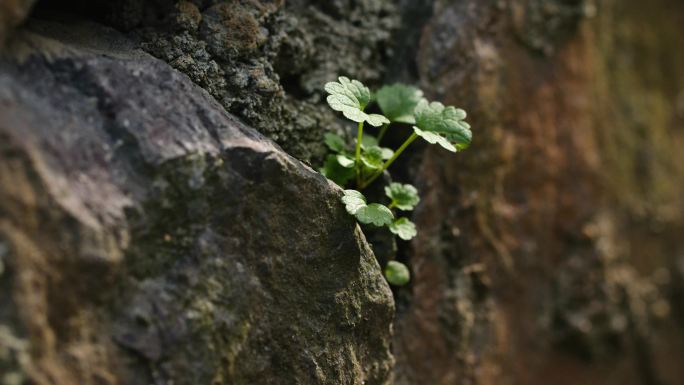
{"x":151,"y":238}
{"x":12,"y":13}
{"x":546,"y":252}
{"x":266,"y":61}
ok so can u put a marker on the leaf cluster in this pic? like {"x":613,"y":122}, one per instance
{"x":341,"y":166}
{"x":403,"y":197}
{"x":364,"y":159}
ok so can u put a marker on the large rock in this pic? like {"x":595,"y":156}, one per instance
{"x":148,"y":237}
{"x":12,"y":13}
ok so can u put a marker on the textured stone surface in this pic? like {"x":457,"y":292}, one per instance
{"x":550,"y":251}
{"x":148,"y":237}
{"x":12,"y":13}
{"x":267,"y":61}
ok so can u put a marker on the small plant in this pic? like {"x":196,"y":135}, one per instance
{"x":366,"y":160}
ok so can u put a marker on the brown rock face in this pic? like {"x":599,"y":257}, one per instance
{"x":550,"y":251}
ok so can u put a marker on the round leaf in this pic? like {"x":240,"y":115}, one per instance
{"x":403,"y":196}
{"x":372,"y":157}
{"x":350,"y":97}
{"x":397,"y":273}
{"x":386,"y":153}
{"x":377,"y":120}
{"x":353,"y":201}
{"x":334,"y":142}
{"x":345,"y":161}
{"x":368,"y":141}
{"x":398,"y":102}
{"x":403,"y":228}
{"x":375,"y":214}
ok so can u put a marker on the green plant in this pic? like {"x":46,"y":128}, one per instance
{"x":365,"y":160}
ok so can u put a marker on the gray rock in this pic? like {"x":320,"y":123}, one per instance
{"x":154,"y":239}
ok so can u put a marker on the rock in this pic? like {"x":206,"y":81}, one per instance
{"x":545,"y":249}
{"x":12,"y":13}
{"x":152,"y":238}
{"x":266,"y":61}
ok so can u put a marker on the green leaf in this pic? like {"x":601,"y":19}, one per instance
{"x":403,"y":228}
{"x":372,"y":157}
{"x":433,"y":137}
{"x":375,"y":214}
{"x":333,"y":170}
{"x":351,"y":97}
{"x":334,"y":142}
{"x":454,"y":139}
{"x":345,"y":161}
{"x":403,"y":196}
{"x":353,"y":201}
{"x":398,"y":102}
{"x":434,"y":117}
{"x":368,"y":141}
{"x":377,"y":120}
{"x":386,"y":153}
{"x":352,"y":92}
{"x":397,"y":273}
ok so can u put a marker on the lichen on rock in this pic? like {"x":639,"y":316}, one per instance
{"x":196,"y":251}
{"x":266,"y":61}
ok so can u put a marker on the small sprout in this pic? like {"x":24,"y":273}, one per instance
{"x":397,"y":273}
{"x":403,"y":228}
{"x":369,"y":141}
{"x":404,"y":196}
{"x":398,"y":102}
{"x":351,"y":97}
{"x":335,"y":142}
{"x":372,"y":157}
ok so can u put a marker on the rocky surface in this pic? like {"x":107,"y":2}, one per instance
{"x":551,"y":249}
{"x":12,"y":13}
{"x":267,"y":61}
{"x":149,"y":237}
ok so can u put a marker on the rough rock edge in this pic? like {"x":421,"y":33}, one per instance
{"x":84,"y":230}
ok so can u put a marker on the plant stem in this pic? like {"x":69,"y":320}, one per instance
{"x":389,"y":161}
{"x":392,"y":205}
{"x":382,"y":131}
{"x":357,"y":164}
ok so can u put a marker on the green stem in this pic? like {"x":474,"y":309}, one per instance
{"x":392,"y":205}
{"x":357,"y":164}
{"x":382,"y":131}
{"x":389,"y":161}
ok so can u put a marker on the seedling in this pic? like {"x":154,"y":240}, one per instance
{"x":365,"y":161}
{"x":397,"y":273}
